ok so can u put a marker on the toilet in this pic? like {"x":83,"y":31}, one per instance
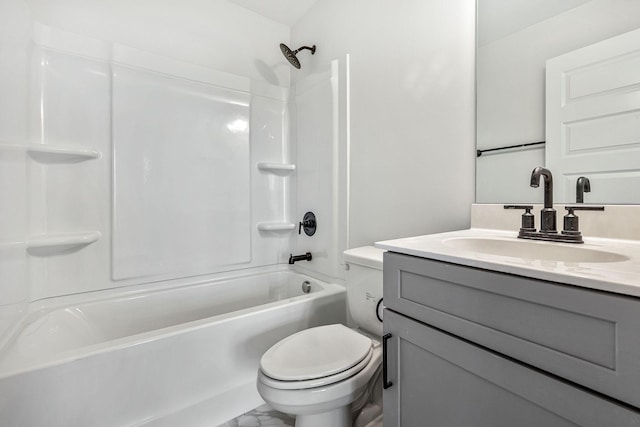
{"x":325,"y":375}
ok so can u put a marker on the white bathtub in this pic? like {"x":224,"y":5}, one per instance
{"x":172,"y":357}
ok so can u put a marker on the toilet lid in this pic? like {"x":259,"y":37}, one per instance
{"x":315,"y":353}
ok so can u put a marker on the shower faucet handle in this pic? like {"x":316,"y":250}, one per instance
{"x":308,"y":223}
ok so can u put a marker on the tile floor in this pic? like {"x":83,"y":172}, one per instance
{"x":262,"y":416}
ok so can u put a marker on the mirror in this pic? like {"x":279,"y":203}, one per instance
{"x":515,"y":38}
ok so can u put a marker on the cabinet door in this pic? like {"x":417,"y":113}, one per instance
{"x":439,"y":380}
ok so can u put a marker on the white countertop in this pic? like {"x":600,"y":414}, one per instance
{"x":622,"y":277}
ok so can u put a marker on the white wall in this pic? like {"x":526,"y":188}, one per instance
{"x":15,"y":31}
{"x":56,"y":76}
{"x":412,"y":110}
{"x":511,"y":91}
{"x":410,"y":133}
{"x":213,"y":33}
{"x":319,"y":107}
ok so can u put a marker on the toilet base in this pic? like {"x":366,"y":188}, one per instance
{"x":331,"y":405}
{"x":340,"y":417}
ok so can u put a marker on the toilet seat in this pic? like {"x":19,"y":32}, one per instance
{"x":316,"y":382}
{"x":315,"y":357}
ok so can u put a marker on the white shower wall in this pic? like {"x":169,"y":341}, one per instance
{"x":384,"y":147}
{"x":110,"y":152}
{"x":320,"y":131}
{"x":170,"y":194}
{"x":15,"y":27}
{"x":216,"y":34}
{"x":411,"y":125}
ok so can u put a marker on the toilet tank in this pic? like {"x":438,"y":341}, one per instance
{"x":364,"y":287}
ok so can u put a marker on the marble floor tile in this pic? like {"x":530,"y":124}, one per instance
{"x":262,"y":416}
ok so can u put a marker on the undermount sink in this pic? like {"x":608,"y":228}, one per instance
{"x":532,"y":250}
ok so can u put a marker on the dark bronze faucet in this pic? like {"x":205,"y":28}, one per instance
{"x":548,"y":232}
{"x":582,"y":186}
{"x":295,"y":258}
{"x":548,"y":214}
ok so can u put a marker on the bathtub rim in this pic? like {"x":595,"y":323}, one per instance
{"x":44,"y":307}
{"x":32,"y":310}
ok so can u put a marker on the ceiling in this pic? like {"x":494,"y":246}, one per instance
{"x":287,"y":12}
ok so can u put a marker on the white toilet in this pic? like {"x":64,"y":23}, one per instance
{"x":324,"y":375}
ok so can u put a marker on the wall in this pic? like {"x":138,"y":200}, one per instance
{"x":401,"y":116}
{"x":15,"y":31}
{"x":511,"y":91}
{"x":411,"y":118}
{"x":320,"y":117}
{"x":216,"y":34}
{"x":63,"y":74}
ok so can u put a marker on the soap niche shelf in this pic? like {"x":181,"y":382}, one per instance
{"x":277,"y":168}
{"x":281,"y":169}
{"x":276,"y":226}
{"x":54,"y":153}
{"x":50,"y":244}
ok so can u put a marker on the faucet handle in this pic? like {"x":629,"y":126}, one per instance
{"x":308,"y":224}
{"x":571,"y":220}
{"x":528,"y":219}
{"x":584,"y":208}
{"x":529,"y":207}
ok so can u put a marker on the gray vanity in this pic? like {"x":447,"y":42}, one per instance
{"x":498,"y":339}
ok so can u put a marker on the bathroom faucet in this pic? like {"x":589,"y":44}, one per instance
{"x":548,"y":214}
{"x":570,"y":232}
{"x":582,"y":186}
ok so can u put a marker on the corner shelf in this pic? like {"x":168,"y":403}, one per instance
{"x":276,"y":226}
{"x":277,"y":167}
{"x":54,"y":153}
{"x":47,"y":244}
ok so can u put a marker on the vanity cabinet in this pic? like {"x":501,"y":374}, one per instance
{"x":472,"y":347}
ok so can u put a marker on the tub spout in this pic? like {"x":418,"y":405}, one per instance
{"x":295,"y":258}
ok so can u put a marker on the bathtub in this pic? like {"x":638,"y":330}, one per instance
{"x":178,"y":356}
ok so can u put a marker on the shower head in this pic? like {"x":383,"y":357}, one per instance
{"x":291,"y":54}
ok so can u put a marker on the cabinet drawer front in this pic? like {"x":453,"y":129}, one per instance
{"x":591,"y":338}
{"x":439,"y":380}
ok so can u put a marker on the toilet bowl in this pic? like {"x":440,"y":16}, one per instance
{"x":323,"y":375}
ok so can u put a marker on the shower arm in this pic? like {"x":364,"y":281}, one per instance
{"x":312,"y":49}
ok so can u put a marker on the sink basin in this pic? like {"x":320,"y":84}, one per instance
{"x":527,"y":249}
{"x":605,"y":264}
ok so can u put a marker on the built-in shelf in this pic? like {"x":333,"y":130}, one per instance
{"x":45,"y":244}
{"x":54,"y":153}
{"x":276,"y":167}
{"x":276,"y":226}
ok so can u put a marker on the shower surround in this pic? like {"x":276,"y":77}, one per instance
{"x":133,"y":172}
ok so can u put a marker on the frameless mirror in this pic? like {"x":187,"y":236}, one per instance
{"x":515,"y":39}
